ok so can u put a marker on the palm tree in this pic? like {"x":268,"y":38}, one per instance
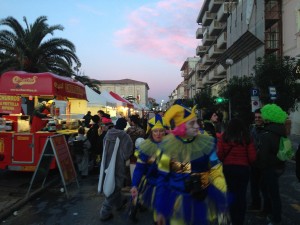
{"x":27,"y":50}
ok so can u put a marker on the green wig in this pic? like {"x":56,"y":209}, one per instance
{"x":273,"y":113}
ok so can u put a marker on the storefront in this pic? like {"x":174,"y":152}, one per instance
{"x":19,"y":149}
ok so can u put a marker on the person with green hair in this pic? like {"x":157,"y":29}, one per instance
{"x":271,"y":167}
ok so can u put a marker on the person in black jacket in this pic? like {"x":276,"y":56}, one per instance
{"x":95,"y":140}
{"x":270,"y":166}
{"x":297,"y":158}
{"x":209,"y":120}
{"x":87,"y":119}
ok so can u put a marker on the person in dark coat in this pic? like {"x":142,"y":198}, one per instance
{"x":297,"y":157}
{"x":87,"y":119}
{"x":209,"y":120}
{"x":95,"y":140}
{"x":270,"y":166}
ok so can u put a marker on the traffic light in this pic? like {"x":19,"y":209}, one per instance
{"x":220,"y":100}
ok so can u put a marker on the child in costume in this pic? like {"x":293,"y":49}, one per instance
{"x":145,"y":173}
{"x":191,"y":188}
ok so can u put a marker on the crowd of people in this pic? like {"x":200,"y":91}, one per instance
{"x":188,"y":170}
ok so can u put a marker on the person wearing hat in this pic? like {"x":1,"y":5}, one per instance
{"x":145,"y":173}
{"x":191,"y":187}
{"x":42,"y":111}
{"x":270,"y":166}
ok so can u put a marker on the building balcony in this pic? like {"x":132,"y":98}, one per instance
{"x":206,"y":60}
{"x":214,"y":77}
{"x":215,"y":52}
{"x":215,"y":28}
{"x":201,"y":50}
{"x":191,"y":72}
{"x":224,"y":11}
{"x":222,"y":41}
{"x":200,"y":32}
{"x":199,"y":85}
{"x":214,"y":5}
{"x":208,"y":39}
{"x":184,"y":74}
{"x":199,"y":77}
{"x":221,"y":70}
{"x":200,"y":67}
{"x":208,"y":18}
{"x":205,"y":80}
{"x":272,"y":14}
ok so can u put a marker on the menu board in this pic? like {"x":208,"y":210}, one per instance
{"x":55,"y":147}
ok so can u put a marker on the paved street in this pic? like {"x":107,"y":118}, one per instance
{"x":82,"y":207}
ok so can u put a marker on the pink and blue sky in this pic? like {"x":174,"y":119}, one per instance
{"x":143,"y":40}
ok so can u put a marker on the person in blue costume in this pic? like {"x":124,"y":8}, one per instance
{"x":191,"y":187}
{"x":145,"y":173}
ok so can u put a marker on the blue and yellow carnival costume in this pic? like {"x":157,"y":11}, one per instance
{"x":191,"y":187}
{"x":145,"y":173}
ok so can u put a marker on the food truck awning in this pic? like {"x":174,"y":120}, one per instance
{"x":41,"y":84}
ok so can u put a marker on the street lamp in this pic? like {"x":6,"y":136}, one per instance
{"x":229,"y":62}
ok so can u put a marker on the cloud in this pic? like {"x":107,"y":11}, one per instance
{"x":165,"y":30}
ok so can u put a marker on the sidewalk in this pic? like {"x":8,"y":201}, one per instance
{"x":295,"y":139}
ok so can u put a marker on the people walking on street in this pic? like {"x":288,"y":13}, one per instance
{"x":145,"y":173}
{"x":210,"y":118}
{"x":256,"y":130}
{"x":42,"y":111}
{"x":87,"y":119}
{"x":135,"y":131}
{"x":117,"y":148}
{"x":82,"y":152}
{"x":191,"y":188}
{"x":237,"y":152}
{"x":100,"y":113}
{"x":95,"y":140}
{"x":271,"y":167}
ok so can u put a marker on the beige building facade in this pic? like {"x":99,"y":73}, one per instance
{"x":127,"y":88}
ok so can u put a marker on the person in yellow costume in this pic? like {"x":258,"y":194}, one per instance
{"x":191,"y":187}
{"x":145,"y":173}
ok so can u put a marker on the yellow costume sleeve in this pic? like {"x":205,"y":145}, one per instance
{"x":217,"y":177}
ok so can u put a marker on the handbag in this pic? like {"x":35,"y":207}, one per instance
{"x":108,"y":186}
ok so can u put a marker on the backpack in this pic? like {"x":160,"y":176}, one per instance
{"x":78,"y":146}
{"x":285,"y":151}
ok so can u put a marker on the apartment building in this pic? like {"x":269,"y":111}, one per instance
{"x":234,"y":33}
{"x":127,"y":88}
{"x":291,"y":44}
{"x":190,"y":80}
{"x":177,"y":93}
